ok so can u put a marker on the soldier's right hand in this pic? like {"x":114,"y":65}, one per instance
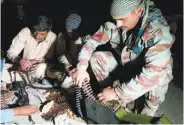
{"x":80,"y":76}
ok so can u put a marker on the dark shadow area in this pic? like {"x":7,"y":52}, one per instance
{"x":93,"y":12}
{"x":177,"y":51}
{"x":170,"y":8}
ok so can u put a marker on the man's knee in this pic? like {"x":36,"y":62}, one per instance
{"x":98,"y":58}
{"x":155,"y":100}
{"x":93,"y":58}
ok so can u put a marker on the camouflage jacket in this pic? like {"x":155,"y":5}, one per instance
{"x":158,"y":68}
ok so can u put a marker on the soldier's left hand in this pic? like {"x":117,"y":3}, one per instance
{"x":107,"y":94}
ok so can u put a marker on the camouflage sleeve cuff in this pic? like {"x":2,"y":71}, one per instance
{"x":83,"y":64}
{"x":82,"y":67}
{"x":121,"y":95}
{"x":118,"y":90}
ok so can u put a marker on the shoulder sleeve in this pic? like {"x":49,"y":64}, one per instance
{"x":18,"y":43}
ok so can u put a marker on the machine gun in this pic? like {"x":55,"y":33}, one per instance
{"x":20,"y":93}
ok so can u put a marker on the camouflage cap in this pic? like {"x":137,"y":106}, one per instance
{"x":73,"y":21}
{"x":123,"y":7}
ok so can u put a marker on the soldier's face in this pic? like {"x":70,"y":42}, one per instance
{"x":73,"y":34}
{"x":129,"y":21}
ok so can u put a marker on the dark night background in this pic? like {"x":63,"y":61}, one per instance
{"x":94,"y":12}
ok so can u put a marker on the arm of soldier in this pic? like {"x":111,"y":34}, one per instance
{"x":157,"y":70}
{"x":61,"y":50}
{"x":18,"y":43}
{"x":102,"y":36}
{"x":99,"y":38}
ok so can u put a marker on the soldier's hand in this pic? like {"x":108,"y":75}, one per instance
{"x":107,"y":94}
{"x":80,"y":76}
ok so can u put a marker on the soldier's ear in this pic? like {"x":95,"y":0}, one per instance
{"x":138,"y":11}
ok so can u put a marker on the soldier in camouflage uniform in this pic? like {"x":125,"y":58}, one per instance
{"x":144,"y":29}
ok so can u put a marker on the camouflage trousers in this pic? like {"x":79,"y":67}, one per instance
{"x":103,"y":62}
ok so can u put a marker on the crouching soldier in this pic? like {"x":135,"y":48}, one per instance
{"x":144,"y":31}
